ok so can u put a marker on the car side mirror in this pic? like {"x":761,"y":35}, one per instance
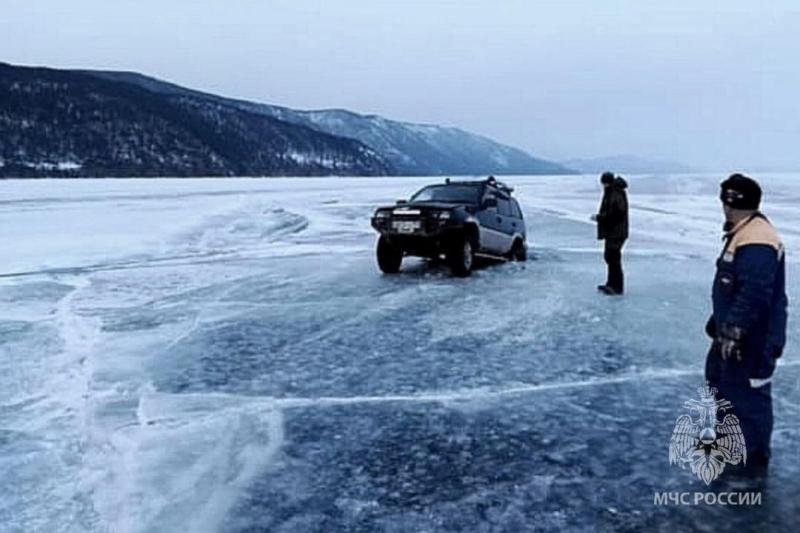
{"x":489,"y":202}
{"x":401,"y":202}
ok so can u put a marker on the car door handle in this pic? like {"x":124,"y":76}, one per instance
{"x":499,"y":219}
{"x":514,"y":224}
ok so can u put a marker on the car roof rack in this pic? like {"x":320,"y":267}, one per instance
{"x":491,"y":180}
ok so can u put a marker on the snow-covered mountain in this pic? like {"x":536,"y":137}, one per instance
{"x":422,"y":149}
{"x":411,"y":149}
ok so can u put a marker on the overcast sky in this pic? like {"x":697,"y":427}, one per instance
{"x":715,"y":86}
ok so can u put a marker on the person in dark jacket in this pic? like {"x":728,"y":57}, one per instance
{"x":748,"y":324}
{"x":612,"y":227}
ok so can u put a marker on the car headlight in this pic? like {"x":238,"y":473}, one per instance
{"x":382,"y":214}
{"x":444,"y":215}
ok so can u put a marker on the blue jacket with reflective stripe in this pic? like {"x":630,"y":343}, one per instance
{"x":750,"y":294}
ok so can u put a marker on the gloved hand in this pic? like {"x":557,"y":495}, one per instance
{"x":711,"y":327}
{"x":730,"y":340}
{"x":730,"y":349}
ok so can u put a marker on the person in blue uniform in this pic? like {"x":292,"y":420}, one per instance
{"x":748,"y":325}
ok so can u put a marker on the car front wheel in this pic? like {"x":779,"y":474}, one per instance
{"x":389,"y":256}
{"x":461,"y":257}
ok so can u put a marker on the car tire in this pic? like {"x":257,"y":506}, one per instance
{"x":518,"y":252}
{"x":461,"y":257}
{"x":389,"y":256}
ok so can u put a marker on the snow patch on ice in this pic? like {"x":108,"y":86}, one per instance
{"x":182,"y":466}
{"x":253,"y":223}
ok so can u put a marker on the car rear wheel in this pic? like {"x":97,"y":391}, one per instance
{"x":389,"y":256}
{"x":461,"y":258}
{"x":518,"y":251}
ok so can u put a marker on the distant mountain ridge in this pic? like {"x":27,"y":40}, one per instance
{"x":100,"y":123}
{"x":627,"y":164}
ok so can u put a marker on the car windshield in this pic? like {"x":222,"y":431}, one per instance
{"x":456,"y":194}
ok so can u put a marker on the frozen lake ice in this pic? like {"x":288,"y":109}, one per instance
{"x":223,"y":355}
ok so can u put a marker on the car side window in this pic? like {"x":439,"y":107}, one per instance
{"x":504,"y":207}
{"x":488,"y":195}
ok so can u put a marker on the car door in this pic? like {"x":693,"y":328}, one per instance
{"x":491,"y":230}
{"x":507,"y":223}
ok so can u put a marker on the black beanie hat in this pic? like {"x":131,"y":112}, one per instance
{"x":607,"y":178}
{"x":740,"y":192}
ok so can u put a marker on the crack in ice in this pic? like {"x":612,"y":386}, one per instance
{"x":453,"y":396}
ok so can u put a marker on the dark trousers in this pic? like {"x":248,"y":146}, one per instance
{"x":613,"y":258}
{"x":753,"y":407}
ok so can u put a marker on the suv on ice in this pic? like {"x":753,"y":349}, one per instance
{"x":455,"y":220}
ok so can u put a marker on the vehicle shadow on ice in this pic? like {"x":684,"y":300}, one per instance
{"x":425,"y":268}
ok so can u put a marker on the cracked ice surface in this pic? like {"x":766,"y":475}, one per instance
{"x":222,"y":355}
